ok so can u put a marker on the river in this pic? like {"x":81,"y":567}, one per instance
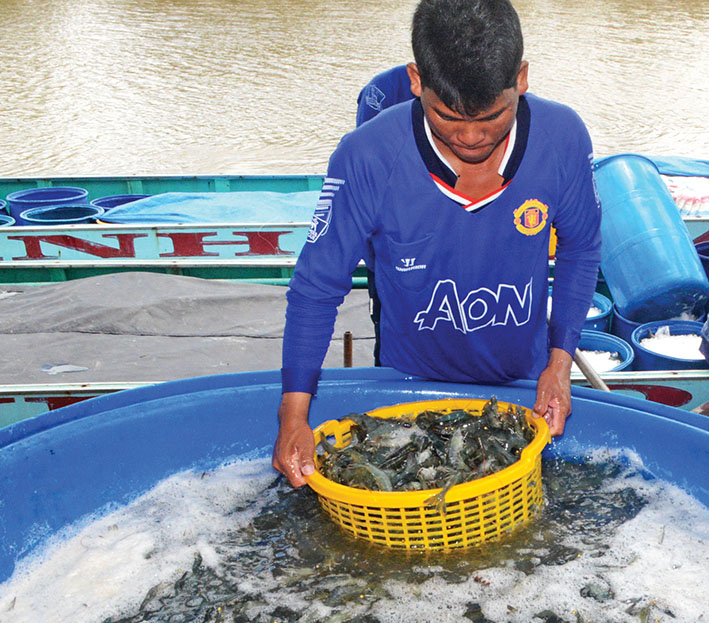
{"x":92,"y":87}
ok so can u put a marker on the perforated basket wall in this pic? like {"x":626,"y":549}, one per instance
{"x":475,"y":512}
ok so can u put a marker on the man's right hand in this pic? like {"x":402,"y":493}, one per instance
{"x":295,"y":446}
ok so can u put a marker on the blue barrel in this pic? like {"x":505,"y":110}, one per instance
{"x":597,"y":340}
{"x":61,"y":215}
{"x":6,"y":220}
{"x":22,"y":200}
{"x":60,"y":467}
{"x":646,"y":359}
{"x":111,"y":201}
{"x":647,"y":258}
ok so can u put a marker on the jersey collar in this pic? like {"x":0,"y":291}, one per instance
{"x":443,"y":174}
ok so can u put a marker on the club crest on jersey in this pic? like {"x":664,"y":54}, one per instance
{"x":531,"y":217}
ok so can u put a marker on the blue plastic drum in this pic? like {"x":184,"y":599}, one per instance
{"x":599,"y":341}
{"x":61,"y":215}
{"x":646,"y":359}
{"x":647,"y":257}
{"x":23,"y":200}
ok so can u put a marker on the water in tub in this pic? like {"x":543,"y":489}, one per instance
{"x":236,"y":544}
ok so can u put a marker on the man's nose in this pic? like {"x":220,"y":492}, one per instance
{"x":471,"y":134}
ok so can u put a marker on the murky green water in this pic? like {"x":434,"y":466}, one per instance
{"x":292,"y":564}
{"x":247,"y":86}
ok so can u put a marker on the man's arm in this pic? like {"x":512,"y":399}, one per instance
{"x":553,"y":401}
{"x":295,"y":447}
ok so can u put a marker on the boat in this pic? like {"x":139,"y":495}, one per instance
{"x":243,"y":251}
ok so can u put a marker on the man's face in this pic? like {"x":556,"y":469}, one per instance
{"x":470,"y":139}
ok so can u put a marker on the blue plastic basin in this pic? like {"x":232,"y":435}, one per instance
{"x":61,"y":215}
{"x":70,"y":463}
{"x":22,"y":200}
{"x":112,"y":201}
{"x":646,"y":359}
{"x":6,"y":220}
{"x":647,"y":257}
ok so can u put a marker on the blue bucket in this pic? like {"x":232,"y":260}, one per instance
{"x":112,"y":201}
{"x":597,"y":340}
{"x":3,"y":206}
{"x":23,"y":200}
{"x":647,"y":257}
{"x":61,"y":215}
{"x":6,"y":221}
{"x":646,"y":359}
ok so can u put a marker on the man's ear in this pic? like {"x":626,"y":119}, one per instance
{"x":415,"y":78}
{"x":522,"y":84}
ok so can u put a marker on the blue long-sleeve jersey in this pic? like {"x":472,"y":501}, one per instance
{"x":463,"y":284}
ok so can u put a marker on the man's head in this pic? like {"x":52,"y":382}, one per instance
{"x":467,"y":51}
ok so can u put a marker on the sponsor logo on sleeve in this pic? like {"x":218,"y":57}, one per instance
{"x":323,"y":210}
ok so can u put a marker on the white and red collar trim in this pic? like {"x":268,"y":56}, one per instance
{"x":466,"y":202}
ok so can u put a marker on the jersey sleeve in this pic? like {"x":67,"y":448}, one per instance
{"x":578,"y":250}
{"x":337,"y":241}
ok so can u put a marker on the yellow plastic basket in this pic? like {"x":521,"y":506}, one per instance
{"x":477,"y":511}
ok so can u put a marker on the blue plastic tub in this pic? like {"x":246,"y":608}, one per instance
{"x":3,"y":207}
{"x":602,"y":321}
{"x":61,"y":215}
{"x":597,"y":340}
{"x":703,"y":253}
{"x":112,"y":201}
{"x":623,"y":327}
{"x":6,"y":220}
{"x":70,"y":463}
{"x":646,"y":359}
{"x":22,"y":200}
{"x":647,"y":257}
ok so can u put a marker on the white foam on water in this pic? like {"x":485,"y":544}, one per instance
{"x":657,"y":560}
{"x":111,"y":563}
{"x":677,"y":346}
{"x":600,"y":360}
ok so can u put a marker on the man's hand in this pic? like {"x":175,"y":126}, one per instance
{"x":554,"y":391}
{"x":295,"y":446}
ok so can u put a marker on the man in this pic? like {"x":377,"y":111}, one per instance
{"x":384,"y":90}
{"x":450,"y":198}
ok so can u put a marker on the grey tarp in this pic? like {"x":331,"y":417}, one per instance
{"x":140,"y":326}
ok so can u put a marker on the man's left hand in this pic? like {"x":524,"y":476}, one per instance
{"x":554,"y":391}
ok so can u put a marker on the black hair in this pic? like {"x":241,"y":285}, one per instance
{"x":467,"y":51}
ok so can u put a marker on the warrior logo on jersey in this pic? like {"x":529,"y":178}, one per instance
{"x":479,"y":308}
{"x":531,"y":217}
{"x":323,"y":211}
